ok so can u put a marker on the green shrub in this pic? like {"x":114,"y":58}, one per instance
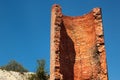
{"x":14,"y":66}
{"x":33,"y":77}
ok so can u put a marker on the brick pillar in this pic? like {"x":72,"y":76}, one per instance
{"x":56,"y":20}
{"x":100,"y":43}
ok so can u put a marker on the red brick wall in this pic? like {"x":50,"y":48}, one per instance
{"x":77,"y":46}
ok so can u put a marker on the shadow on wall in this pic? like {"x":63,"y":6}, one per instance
{"x":67,"y":55}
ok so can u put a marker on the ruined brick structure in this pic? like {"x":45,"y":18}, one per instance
{"x":77,"y":46}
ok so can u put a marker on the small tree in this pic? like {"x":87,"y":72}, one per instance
{"x":41,"y":73}
{"x":14,"y":66}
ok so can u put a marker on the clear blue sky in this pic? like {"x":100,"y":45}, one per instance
{"x":25,"y":29}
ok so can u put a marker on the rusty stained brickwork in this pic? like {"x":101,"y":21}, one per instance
{"x":77,"y":46}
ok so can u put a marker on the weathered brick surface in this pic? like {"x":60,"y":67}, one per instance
{"x":77,"y":46}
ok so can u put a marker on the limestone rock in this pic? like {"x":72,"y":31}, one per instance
{"x":11,"y":75}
